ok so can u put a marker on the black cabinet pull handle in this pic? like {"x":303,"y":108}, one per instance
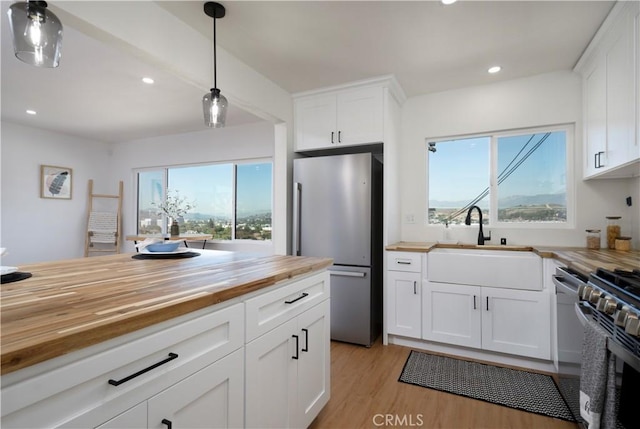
{"x":595,"y":160}
{"x":339,"y":136}
{"x":415,"y":292}
{"x":296,"y":355}
{"x":167,"y":422}
{"x":306,"y":340}
{"x":487,"y":303}
{"x":474,"y":302}
{"x":332,"y":133}
{"x":171,"y":357}
{"x":403,"y":262}
{"x":304,"y":295}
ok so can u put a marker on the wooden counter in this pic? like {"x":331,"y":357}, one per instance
{"x":72,"y":304}
{"x":581,"y":259}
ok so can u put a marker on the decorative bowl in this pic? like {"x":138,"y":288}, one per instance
{"x":163,"y":247}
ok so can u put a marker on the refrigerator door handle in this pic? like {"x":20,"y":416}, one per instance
{"x":347,"y":273}
{"x":297,"y":189}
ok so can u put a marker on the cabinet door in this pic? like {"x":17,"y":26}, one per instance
{"x":315,"y":122}
{"x":620,"y":96}
{"x":516,"y":322}
{"x":596,"y":118}
{"x":360,"y":116}
{"x":271,"y":378}
{"x":404,"y":304}
{"x":211,"y":398}
{"x":134,"y":418}
{"x":452,"y":314}
{"x":314,"y":383}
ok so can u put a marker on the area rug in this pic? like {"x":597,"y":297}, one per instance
{"x":527,"y":391}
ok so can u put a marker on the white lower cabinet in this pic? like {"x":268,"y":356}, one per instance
{"x":403,"y":294}
{"x":287,"y":371}
{"x":404,"y":304}
{"x":516,"y":322}
{"x":451,"y":314}
{"x":501,"y":320}
{"x":212,"y":398}
{"x":262,"y":362}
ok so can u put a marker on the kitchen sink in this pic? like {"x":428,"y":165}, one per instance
{"x":484,"y":266}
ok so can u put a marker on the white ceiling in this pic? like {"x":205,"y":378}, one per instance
{"x":300,"y":45}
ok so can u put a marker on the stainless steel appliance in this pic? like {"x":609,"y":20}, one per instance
{"x":612,"y":300}
{"x":338,"y":213}
{"x":570,"y":334}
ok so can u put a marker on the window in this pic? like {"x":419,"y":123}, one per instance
{"x":517,"y":177}
{"x":233,"y":201}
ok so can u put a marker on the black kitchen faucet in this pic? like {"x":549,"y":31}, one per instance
{"x":467,"y":221}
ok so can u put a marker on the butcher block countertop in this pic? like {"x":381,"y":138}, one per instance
{"x":72,"y":304}
{"x":579,"y":258}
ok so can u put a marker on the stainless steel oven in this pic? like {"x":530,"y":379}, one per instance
{"x":569,"y":336}
{"x":611,"y":300}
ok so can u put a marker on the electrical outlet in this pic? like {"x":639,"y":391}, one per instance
{"x":409,"y":218}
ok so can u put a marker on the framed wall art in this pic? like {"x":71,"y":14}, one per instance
{"x":55,"y":182}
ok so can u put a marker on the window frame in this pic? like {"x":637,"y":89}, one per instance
{"x":165,"y":178}
{"x":492,"y":221}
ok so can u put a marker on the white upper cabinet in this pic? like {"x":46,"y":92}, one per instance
{"x":343,"y":116}
{"x":610,"y":72}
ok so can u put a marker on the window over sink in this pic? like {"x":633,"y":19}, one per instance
{"x":519,"y":177}
{"x":233,"y":201}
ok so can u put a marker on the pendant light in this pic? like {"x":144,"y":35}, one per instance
{"x":37,"y":33}
{"x":214,"y":104}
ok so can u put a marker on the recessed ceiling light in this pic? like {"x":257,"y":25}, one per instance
{"x":31,"y":112}
{"x":448,"y":2}
{"x":147,"y":80}
{"x":494,"y":69}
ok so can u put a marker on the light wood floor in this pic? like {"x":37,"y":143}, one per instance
{"x":365,"y":388}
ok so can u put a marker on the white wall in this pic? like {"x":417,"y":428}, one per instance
{"x":212,"y":145}
{"x":35,"y":229}
{"x":553,"y":98}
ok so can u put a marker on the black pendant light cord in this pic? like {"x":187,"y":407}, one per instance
{"x":215,"y":76}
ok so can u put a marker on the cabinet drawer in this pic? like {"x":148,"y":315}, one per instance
{"x":404,"y":261}
{"x":147,"y":365}
{"x":267,"y":311}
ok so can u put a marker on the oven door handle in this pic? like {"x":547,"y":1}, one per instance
{"x":584,"y":316}
{"x":583,"y":313}
{"x":563,"y":286}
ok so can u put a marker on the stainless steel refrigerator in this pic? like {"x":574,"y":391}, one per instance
{"x":337,"y":213}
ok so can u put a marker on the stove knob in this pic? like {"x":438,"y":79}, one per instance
{"x":606,"y":305}
{"x":594,"y":296}
{"x":584,"y":291}
{"x":620,"y":317}
{"x":632,"y":326}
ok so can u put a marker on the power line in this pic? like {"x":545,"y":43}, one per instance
{"x":504,"y":174}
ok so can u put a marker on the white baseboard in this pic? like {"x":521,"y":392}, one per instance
{"x":477,"y":355}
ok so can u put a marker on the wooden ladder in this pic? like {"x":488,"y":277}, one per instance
{"x":103,"y":228}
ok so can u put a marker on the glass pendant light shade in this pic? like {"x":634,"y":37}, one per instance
{"x":37,"y":34}
{"x":214,"y":106}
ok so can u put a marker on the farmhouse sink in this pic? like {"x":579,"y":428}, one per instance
{"x":486,"y":266}
{"x":452,"y":244}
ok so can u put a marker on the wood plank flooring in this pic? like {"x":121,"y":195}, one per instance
{"x":365,"y":393}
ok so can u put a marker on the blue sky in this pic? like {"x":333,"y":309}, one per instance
{"x":459,"y":169}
